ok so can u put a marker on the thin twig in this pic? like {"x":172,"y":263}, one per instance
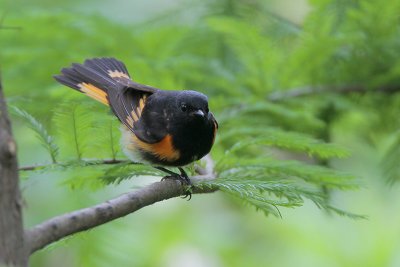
{"x":14,"y":28}
{"x":2,"y":27}
{"x":86,"y":162}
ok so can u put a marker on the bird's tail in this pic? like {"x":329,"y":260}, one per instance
{"x":95,"y":77}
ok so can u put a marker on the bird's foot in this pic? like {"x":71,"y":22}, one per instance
{"x":182,"y":177}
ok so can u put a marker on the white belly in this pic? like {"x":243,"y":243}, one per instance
{"x":129,"y":147}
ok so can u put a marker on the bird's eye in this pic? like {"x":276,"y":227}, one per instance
{"x":184,"y":107}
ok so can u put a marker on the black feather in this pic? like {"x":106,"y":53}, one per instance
{"x":95,"y":65}
{"x":68,"y":81}
{"x":98,"y":79}
{"x":117,"y":65}
{"x":94,"y":71}
{"x":122,"y":93}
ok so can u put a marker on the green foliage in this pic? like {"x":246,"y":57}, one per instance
{"x":45,"y":139}
{"x":267,"y":182}
{"x":270,"y":153}
{"x":74,"y":125}
{"x":275,"y":169}
{"x":242,"y":64}
{"x":390,"y":160}
{"x":251,"y":63}
{"x":264,"y":182}
{"x":272,"y":114}
{"x":124,"y":171}
{"x":285,"y":140}
{"x":268,"y":196}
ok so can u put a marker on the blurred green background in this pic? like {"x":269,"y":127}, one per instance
{"x":237,"y":52}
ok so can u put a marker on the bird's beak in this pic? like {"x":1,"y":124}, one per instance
{"x":199,"y":113}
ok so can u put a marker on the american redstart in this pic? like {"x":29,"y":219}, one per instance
{"x":159,"y":127}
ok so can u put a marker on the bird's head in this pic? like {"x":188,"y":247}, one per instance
{"x":192,"y":105}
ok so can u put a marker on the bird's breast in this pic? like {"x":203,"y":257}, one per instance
{"x":193,"y":140}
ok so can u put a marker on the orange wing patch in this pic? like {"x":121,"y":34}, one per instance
{"x":164,"y":149}
{"x":130,"y":121}
{"x":94,"y":92}
{"x":117,"y":74}
{"x":135,"y":114}
{"x":142,"y":101}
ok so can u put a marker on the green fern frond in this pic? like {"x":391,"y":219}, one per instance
{"x":390,"y":161}
{"x":46,"y":140}
{"x":94,"y":175}
{"x":286,"y":140}
{"x":75,"y":124}
{"x":124,"y":171}
{"x":344,"y":213}
{"x":287,"y":170}
{"x":252,"y":192}
{"x":107,"y":142}
{"x":270,"y":114}
{"x":113,"y":140}
{"x":256,"y":53}
{"x":78,"y":177}
{"x":264,"y":195}
{"x":268,"y":196}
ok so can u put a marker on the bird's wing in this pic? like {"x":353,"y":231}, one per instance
{"x":107,"y":80}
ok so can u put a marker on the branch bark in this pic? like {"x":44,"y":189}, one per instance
{"x":12,"y":249}
{"x":77,"y":221}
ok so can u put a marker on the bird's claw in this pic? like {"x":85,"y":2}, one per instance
{"x":185,"y":181}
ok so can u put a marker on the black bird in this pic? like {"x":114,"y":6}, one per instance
{"x":161,"y":128}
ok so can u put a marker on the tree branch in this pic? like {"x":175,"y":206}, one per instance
{"x":67,"y":224}
{"x":344,"y":89}
{"x":12,"y":249}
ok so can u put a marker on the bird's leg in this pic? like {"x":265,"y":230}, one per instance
{"x":182,"y":177}
{"x":185,"y":176}
{"x":172,"y":174}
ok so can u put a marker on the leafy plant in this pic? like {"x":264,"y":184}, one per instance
{"x":289,"y":98}
{"x":45,"y":139}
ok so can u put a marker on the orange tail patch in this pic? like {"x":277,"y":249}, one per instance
{"x":94,"y":92}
